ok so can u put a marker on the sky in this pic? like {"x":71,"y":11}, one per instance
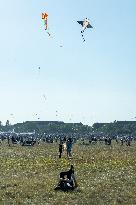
{"x":88,"y":82}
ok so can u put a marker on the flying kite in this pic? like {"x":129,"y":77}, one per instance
{"x":61,"y":44}
{"x":85,"y":24}
{"x":134,"y":118}
{"x":45,"y":19}
{"x":44,"y":96}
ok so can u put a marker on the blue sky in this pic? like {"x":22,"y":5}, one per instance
{"x":84,"y":82}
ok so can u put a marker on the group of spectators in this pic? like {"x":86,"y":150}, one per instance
{"x":123,"y":140}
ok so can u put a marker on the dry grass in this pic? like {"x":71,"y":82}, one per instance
{"x":106,"y":175}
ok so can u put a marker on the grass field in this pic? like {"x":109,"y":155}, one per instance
{"x":105,"y":174}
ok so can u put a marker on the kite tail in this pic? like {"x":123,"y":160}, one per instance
{"x":83,"y":35}
{"x":46,"y":24}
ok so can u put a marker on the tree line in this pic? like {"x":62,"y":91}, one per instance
{"x":113,"y":128}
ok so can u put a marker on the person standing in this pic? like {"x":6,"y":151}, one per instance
{"x":69,"y":147}
{"x":60,"y":148}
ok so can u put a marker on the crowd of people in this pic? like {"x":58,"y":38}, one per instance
{"x":67,"y":179}
{"x":65,"y":143}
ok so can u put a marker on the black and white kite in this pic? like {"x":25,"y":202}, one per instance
{"x":85,"y":24}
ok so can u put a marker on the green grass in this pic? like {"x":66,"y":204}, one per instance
{"x":105,"y":174}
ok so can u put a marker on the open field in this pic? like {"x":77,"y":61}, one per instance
{"x":105,"y":174}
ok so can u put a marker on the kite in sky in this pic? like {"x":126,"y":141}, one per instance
{"x":46,"y":27}
{"x":85,"y":24}
{"x":45,"y":19}
{"x":44,"y":96}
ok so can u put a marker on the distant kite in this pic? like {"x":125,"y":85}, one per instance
{"x":45,"y":19}
{"x":44,"y":96}
{"x":61,"y":44}
{"x":85,"y":24}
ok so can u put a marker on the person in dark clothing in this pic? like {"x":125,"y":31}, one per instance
{"x":8,"y":138}
{"x":106,"y":140}
{"x":67,"y":180}
{"x":122,"y":141}
{"x":69,"y":147}
{"x":60,"y":148}
{"x":109,"y":141}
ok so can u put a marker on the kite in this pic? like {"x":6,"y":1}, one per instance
{"x":45,"y":19}
{"x":49,"y":33}
{"x":85,"y":24}
{"x":56,"y":113}
{"x":134,"y":118}
{"x":61,"y":44}
{"x":44,"y":96}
